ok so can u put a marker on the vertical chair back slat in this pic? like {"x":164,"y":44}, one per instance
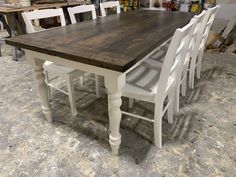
{"x":81,"y":9}
{"x":110,"y":4}
{"x":41,"y":14}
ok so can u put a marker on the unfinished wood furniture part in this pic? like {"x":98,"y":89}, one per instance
{"x":81,"y":9}
{"x":49,"y":67}
{"x":109,"y":4}
{"x":114,"y":46}
{"x":12,"y":22}
{"x":157,"y":84}
{"x":4,"y":34}
{"x":15,"y":21}
{"x":199,"y":47}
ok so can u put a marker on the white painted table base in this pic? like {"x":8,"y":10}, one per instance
{"x":114,"y":82}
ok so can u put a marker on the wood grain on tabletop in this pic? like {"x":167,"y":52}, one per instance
{"x":115,"y":42}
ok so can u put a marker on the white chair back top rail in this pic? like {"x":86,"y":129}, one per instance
{"x":81,"y":9}
{"x":175,"y":53}
{"x":109,"y":4}
{"x":41,"y":14}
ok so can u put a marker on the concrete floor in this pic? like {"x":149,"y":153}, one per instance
{"x":201,"y":142}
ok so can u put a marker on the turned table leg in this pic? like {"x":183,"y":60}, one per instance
{"x":41,"y":85}
{"x":114,"y":84}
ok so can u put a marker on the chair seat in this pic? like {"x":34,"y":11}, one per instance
{"x":141,"y":83}
{"x":161,"y":52}
{"x":158,"y":56}
{"x":57,"y":69}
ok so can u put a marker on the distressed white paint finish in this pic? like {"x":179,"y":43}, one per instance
{"x":110,"y":4}
{"x":114,"y":82}
{"x":81,"y":9}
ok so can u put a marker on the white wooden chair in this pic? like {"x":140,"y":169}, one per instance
{"x":155,"y":84}
{"x":81,"y":9}
{"x":109,"y":4}
{"x":198,"y":50}
{"x":60,"y":71}
{"x":181,"y":83}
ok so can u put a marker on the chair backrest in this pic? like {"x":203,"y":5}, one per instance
{"x":201,"y":21}
{"x":175,"y":55}
{"x":41,"y":14}
{"x":81,"y":9}
{"x":205,"y":20}
{"x":211,"y":17}
{"x":189,"y":41}
{"x":110,"y":4}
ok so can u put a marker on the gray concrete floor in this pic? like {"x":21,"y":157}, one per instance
{"x":201,"y":142}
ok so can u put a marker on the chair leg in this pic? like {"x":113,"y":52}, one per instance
{"x":97,"y":86}
{"x":199,"y":66}
{"x":176,"y":98}
{"x":71,"y":94}
{"x":81,"y":80}
{"x":14,"y":54}
{"x":49,"y":88}
{"x":199,"y":71}
{"x":170,"y":109}
{"x":184,"y":86}
{"x":131,"y":103}
{"x":191,"y":78}
{"x":158,"y":125}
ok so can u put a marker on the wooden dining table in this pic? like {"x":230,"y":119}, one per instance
{"x":110,"y":47}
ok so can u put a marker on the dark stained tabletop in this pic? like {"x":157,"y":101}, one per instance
{"x":115,"y":42}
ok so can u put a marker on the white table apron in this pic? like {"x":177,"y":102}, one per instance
{"x":114,"y":82}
